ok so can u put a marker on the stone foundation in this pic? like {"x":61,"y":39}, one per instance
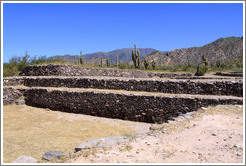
{"x":12,"y":81}
{"x":159,"y":100}
{"x":10,"y":95}
{"x":71,"y":70}
{"x":230,"y":74}
{"x":213,"y":87}
{"x":134,"y":107}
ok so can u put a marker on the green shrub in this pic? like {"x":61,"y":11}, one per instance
{"x":163,"y":67}
{"x":153,"y":65}
{"x":174,"y":69}
{"x":10,"y":70}
{"x":123,"y":66}
{"x":201,"y":70}
{"x":146,"y":64}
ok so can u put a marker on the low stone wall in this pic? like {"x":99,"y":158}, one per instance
{"x":134,"y":107}
{"x":230,"y":74}
{"x":12,"y":81}
{"x":71,"y":70}
{"x":213,"y":87}
{"x":10,"y":95}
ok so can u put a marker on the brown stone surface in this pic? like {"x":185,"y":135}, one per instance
{"x":71,"y":70}
{"x":206,"y":87}
{"x":10,"y":95}
{"x":135,"y":106}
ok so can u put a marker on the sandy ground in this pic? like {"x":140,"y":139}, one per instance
{"x":211,"y":135}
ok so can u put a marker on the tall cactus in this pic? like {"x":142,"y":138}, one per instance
{"x":81,"y":60}
{"x":136,"y":57}
{"x":117,"y":61}
{"x":108,"y":62}
{"x":101,"y":61}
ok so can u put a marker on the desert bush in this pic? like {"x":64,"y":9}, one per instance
{"x":10,"y":70}
{"x":153,"y":65}
{"x":201,"y":70}
{"x":146,"y":64}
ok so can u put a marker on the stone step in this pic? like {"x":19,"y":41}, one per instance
{"x":10,"y":95}
{"x":231,"y":87}
{"x":231,"y":74}
{"x":75,"y":70}
{"x":128,"y":105}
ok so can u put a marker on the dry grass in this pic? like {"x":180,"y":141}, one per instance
{"x":33,"y":131}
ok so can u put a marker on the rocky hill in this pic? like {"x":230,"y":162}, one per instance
{"x":223,"y":49}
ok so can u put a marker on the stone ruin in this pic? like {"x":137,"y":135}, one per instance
{"x":136,"y":95}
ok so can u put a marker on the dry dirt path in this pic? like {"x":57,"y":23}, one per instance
{"x":212,"y":135}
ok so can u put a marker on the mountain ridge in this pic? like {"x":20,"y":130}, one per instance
{"x":222,"y":49}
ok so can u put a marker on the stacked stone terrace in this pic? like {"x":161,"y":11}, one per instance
{"x":137,"y":96}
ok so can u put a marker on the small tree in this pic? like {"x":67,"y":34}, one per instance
{"x":201,"y":70}
{"x":23,"y":62}
{"x":153,"y":65}
{"x":146,"y":64}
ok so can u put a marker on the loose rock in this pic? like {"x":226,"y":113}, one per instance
{"x":101,"y":142}
{"x":53,"y":155}
{"x":25,"y":159}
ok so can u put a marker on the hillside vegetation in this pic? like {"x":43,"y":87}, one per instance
{"x":224,"y":54}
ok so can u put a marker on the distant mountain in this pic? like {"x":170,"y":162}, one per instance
{"x":124,"y":55}
{"x":222,"y":49}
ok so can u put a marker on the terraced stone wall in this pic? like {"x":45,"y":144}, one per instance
{"x":10,"y":95}
{"x":71,"y":70}
{"x":12,"y":81}
{"x":213,"y":87}
{"x":144,"y":108}
{"x":230,"y":74}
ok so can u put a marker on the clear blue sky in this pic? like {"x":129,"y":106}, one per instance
{"x":58,"y":29}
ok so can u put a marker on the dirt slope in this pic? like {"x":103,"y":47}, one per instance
{"x":212,"y":135}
